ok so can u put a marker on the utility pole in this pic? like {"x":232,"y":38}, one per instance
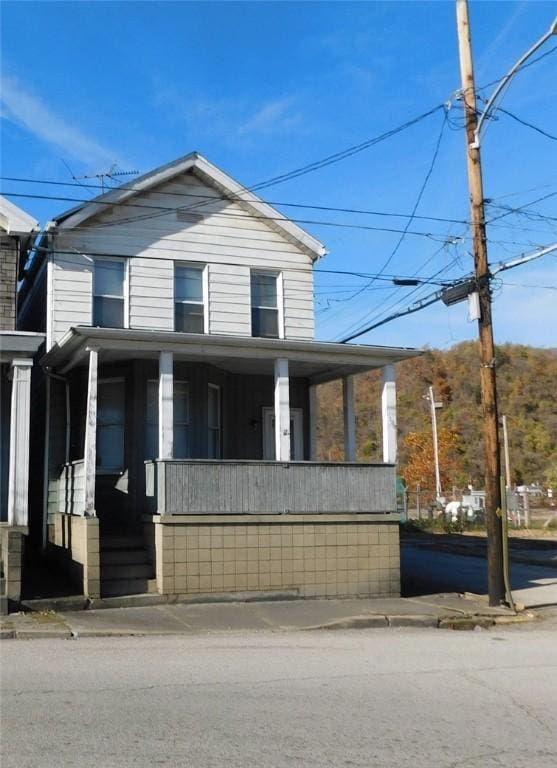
{"x":495,"y":566}
{"x":433,"y":405}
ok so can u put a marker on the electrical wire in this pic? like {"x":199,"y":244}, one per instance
{"x":209,"y":198}
{"x":526,"y":123}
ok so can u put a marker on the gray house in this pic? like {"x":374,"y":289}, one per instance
{"x":181,"y":382}
{"x":17,"y":350}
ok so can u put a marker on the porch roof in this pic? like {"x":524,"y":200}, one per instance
{"x":18,"y":344}
{"x":316,"y":360}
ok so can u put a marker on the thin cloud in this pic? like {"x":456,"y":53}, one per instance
{"x":27,"y":110}
{"x":271,"y":117}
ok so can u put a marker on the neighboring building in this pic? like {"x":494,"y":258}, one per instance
{"x":181,"y":400}
{"x":16,"y":359}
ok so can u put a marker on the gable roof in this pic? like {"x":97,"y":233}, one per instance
{"x":216,"y":178}
{"x":14,"y":220}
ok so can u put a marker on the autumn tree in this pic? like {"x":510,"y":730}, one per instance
{"x":419,"y":468}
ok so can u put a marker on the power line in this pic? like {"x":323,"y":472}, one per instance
{"x":210,"y":198}
{"x":165,"y":210}
{"x":527,"y":124}
{"x":317,"y":165}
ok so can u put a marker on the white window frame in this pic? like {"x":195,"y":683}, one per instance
{"x":125,"y":287}
{"x":113,"y":470}
{"x":280,"y":297}
{"x":218,"y":429}
{"x":204,"y":269}
{"x":187,"y":424}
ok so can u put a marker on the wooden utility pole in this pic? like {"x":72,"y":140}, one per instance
{"x":495,"y":568}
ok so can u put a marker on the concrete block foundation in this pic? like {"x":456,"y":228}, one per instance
{"x":74,"y":544}
{"x":12,"y":544}
{"x":316,"y":556}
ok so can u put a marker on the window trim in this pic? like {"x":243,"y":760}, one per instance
{"x":112,"y":470}
{"x":125,"y":288}
{"x":204,"y":269}
{"x":278,"y":275}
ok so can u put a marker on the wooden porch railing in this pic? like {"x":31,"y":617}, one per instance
{"x":177,"y":487}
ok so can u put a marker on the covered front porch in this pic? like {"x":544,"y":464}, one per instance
{"x":220,"y":433}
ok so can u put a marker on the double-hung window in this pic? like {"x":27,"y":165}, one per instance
{"x":182,"y":438}
{"x":265,"y":316}
{"x":189,"y":300}
{"x":110,"y":425}
{"x":109,"y":278}
{"x":214,"y":449}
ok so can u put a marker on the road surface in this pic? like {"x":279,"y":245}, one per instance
{"x":381,"y":698}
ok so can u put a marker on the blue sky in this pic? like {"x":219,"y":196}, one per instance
{"x":263,"y":88}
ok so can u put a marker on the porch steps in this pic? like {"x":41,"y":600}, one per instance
{"x":126,"y":568}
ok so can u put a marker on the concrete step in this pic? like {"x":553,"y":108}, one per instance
{"x":142,"y":570}
{"x":124,"y":556}
{"x":120,"y":587}
{"x":121,"y":542}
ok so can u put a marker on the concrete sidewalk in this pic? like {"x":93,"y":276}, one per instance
{"x":450,"y":611}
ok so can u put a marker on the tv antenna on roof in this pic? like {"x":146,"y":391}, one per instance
{"x":113,"y":173}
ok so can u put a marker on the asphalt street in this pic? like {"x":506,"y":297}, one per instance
{"x":373,"y":698}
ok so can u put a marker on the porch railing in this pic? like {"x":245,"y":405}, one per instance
{"x":71,"y":488}
{"x":177,"y":487}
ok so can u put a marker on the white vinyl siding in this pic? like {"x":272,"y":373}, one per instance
{"x":151,"y":293}
{"x":231,"y":245}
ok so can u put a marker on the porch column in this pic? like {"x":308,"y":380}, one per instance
{"x":313,"y":422}
{"x":166,"y":405}
{"x":18,"y":483}
{"x":282,"y":410}
{"x":349,"y":418}
{"x":90,"y":454}
{"x":388,"y":412}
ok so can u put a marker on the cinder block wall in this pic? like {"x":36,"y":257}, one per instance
{"x":8,"y":279}
{"x":12,"y":543}
{"x":74,"y":543}
{"x":340,"y":557}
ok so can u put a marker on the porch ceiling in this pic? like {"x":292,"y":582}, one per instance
{"x":317,"y":361}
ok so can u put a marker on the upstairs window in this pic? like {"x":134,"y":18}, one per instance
{"x":265,"y":305}
{"x":108,"y":293}
{"x":189,"y":303}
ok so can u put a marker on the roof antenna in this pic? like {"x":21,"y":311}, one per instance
{"x":112,"y":174}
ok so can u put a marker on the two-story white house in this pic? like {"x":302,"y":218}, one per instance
{"x":180,"y":377}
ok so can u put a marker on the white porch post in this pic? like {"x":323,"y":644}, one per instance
{"x":313,"y":422}
{"x":18,"y":483}
{"x":166,"y":405}
{"x":90,"y":457}
{"x":349,"y":418}
{"x":282,"y":410}
{"x":388,"y":411}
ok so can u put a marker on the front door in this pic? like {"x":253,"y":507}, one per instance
{"x":296,"y":434}
{"x":111,"y":487}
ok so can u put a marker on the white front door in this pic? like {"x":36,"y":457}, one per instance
{"x":296,"y":434}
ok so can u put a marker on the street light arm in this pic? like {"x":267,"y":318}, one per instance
{"x":508,"y":77}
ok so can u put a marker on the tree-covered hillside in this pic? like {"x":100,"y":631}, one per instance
{"x":527,"y":385}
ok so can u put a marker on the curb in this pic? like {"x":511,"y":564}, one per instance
{"x":366,"y":621}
